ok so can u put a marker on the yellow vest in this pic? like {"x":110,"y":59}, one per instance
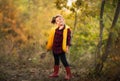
{"x":51,"y":37}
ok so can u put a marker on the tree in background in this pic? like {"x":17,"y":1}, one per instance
{"x":99,"y":46}
{"x":23,"y":27}
{"x":110,"y":40}
{"x":12,"y":32}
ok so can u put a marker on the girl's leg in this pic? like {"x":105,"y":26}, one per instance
{"x":63,"y":59}
{"x":56,"y":59}
{"x":56,"y":66}
{"x":66,"y":65}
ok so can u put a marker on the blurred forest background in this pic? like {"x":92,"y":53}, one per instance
{"x":95,"y":51}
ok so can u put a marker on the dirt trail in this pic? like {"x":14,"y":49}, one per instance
{"x":36,"y":73}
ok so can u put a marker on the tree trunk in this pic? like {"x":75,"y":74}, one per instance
{"x":75,"y":23}
{"x":109,"y":41}
{"x":98,"y":51}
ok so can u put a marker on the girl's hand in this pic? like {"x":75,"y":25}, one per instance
{"x":67,"y":49}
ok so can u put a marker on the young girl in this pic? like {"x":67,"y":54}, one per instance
{"x":59,"y":42}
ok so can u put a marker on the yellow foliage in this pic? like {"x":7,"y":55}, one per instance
{"x":1,"y":17}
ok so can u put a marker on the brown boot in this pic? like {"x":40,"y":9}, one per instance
{"x":68,"y":75}
{"x":55,"y":73}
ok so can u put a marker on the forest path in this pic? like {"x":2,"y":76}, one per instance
{"x":37,"y":73}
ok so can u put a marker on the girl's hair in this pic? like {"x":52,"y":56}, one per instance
{"x":53,"y":21}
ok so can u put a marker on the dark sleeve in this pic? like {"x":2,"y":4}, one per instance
{"x":68,"y":37}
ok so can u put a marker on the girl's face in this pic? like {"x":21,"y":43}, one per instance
{"x":59,"y":21}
